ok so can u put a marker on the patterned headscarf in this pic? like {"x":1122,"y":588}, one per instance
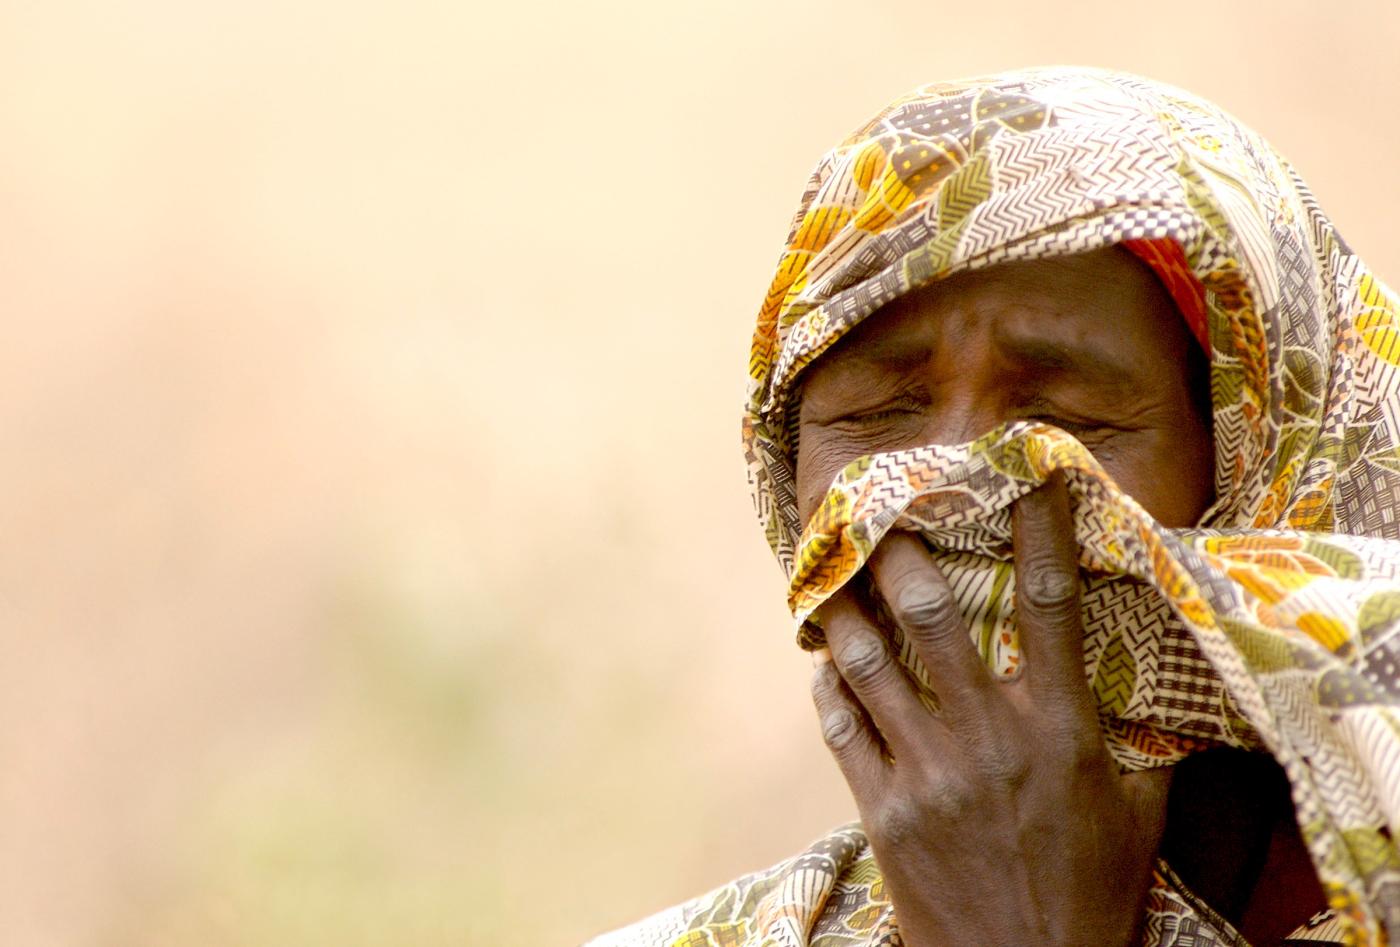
{"x":1276,"y":627}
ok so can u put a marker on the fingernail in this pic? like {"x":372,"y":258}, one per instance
{"x":821,"y":656}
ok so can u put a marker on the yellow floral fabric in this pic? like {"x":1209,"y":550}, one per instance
{"x":1276,"y":624}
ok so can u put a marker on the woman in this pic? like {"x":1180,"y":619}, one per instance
{"x":1090,"y":326}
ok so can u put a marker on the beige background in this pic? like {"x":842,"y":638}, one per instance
{"x":377,"y":566}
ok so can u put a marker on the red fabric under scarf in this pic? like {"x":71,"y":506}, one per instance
{"x":1167,"y":260}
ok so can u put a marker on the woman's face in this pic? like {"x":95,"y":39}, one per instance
{"x":1091,"y":344}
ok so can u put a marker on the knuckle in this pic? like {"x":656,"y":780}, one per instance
{"x":899,"y":823}
{"x":1079,"y":750}
{"x":1086,"y":754}
{"x":1007,"y":765}
{"x":905,"y":819}
{"x":951,"y":800}
{"x":839,"y":729}
{"x":1049,"y":588}
{"x":922,"y":606}
{"x":864,"y":661}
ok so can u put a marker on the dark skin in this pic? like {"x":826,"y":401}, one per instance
{"x":1002,"y":819}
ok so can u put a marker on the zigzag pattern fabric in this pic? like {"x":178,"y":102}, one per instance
{"x":1275,"y":625}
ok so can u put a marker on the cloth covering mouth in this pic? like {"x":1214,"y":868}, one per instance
{"x":1193,"y":638}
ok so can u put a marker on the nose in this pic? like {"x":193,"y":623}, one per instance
{"x":970,"y":400}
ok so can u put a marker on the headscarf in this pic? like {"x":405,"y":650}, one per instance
{"x":1275,"y":625}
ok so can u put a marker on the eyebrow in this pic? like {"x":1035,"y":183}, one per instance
{"x":1083,"y":359}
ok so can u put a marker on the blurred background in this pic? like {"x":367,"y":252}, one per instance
{"x":377,"y":565}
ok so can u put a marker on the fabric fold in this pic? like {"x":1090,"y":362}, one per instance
{"x":1193,"y":638}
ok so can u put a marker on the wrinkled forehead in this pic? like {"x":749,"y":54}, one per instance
{"x":1107,"y":305}
{"x":1102,"y":322}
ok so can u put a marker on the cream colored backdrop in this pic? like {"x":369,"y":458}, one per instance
{"x":377,"y":566}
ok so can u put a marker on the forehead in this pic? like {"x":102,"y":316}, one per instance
{"x":1100,"y":310}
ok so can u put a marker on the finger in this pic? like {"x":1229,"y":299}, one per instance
{"x":922,"y":604}
{"x":869,"y":669}
{"x":847,"y":733}
{"x":1047,"y":598}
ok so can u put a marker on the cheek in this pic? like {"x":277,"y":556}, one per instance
{"x":821,"y":455}
{"x":814,"y":476}
{"x":1170,"y":473}
{"x":823,"y":452}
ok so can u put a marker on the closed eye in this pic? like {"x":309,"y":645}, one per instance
{"x":902,"y":407}
{"x":884,"y":414}
{"x":1095,"y":435}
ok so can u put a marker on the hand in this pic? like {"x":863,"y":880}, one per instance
{"x":1001,"y":819}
